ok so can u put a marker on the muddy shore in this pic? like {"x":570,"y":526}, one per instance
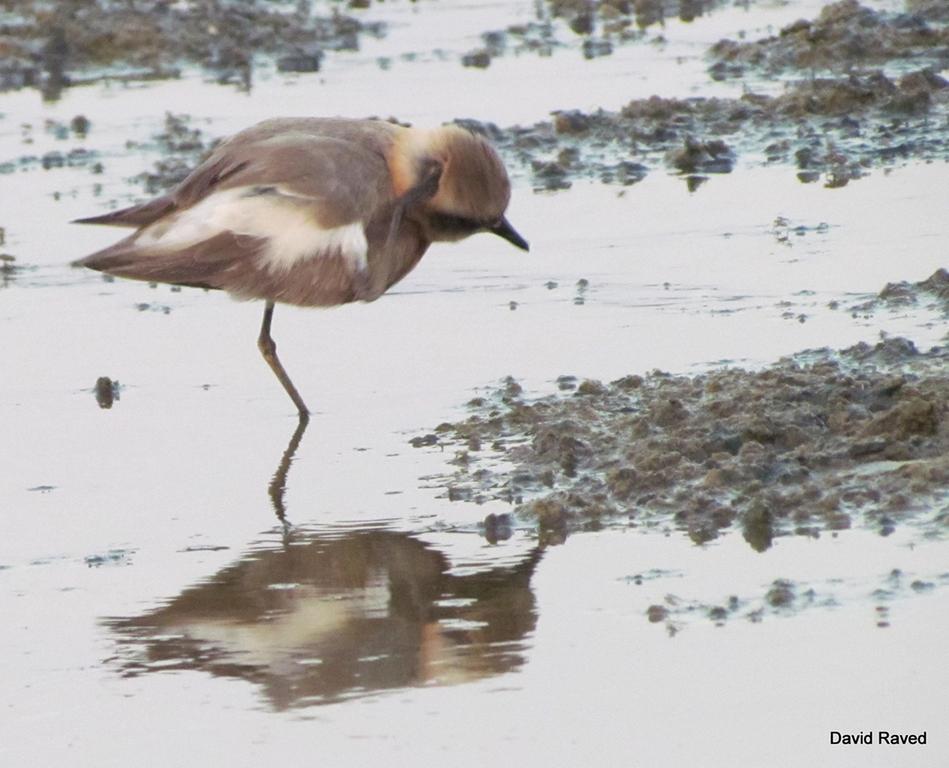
{"x":858,"y":88}
{"x":52,"y":47}
{"x":829,"y":97}
{"x":819,"y":441}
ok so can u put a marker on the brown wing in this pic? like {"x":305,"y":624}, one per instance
{"x":234,"y":218}
{"x":204,"y":265}
{"x":262,"y":152}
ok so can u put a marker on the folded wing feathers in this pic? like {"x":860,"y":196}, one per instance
{"x":233,"y":228}
{"x":287,"y":223}
{"x":205,"y":265}
{"x":262,"y":205}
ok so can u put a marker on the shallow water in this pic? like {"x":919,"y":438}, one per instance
{"x":153,"y":574}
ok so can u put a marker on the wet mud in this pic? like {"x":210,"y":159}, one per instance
{"x":596,"y":27}
{"x":783,"y":597}
{"x":931,"y":293}
{"x":826,"y":129}
{"x":621,"y":19}
{"x":183,"y":145}
{"x":107,"y":392}
{"x":861,"y":89}
{"x":845,"y":35}
{"x":820,"y":441}
{"x":76,"y":156}
{"x":75,"y":42}
{"x":8,"y":269}
{"x":54,"y":46}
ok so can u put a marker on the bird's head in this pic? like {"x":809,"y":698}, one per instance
{"x":453,"y":183}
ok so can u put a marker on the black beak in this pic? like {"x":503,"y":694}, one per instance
{"x":504,"y":229}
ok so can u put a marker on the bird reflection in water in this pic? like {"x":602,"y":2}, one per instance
{"x":338,"y":615}
{"x":278,"y":483}
{"x":334,"y":614}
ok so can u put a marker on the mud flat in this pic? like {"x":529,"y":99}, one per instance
{"x":52,"y":46}
{"x":843,"y":36}
{"x":596,"y":27}
{"x":832,"y":96}
{"x":832,"y":130}
{"x":819,"y":441}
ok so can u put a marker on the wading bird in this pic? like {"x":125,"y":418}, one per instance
{"x":315,"y":212}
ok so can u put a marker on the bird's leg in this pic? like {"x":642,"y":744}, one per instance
{"x":268,"y":348}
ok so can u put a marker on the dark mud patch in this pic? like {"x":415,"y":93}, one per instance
{"x":830,"y":129}
{"x":931,"y":293}
{"x":781,"y":597}
{"x":107,"y":392}
{"x":833,"y":129}
{"x":785,"y":597}
{"x":182,"y":144}
{"x":69,"y":153}
{"x":8,"y":269}
{"x":77,"y":156}
{"x":820,"y":441}
{"x":13,"y":271}
{"x":52,"y":46}
{"x":597,"y":28}
{"x":621,"y":18}
{"x":864,"y":91}
{"x":844,"y":35}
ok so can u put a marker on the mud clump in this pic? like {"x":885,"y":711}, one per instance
{"x":832,"y":123}
{"x":782,"y":597}
{"x":843,"y":113}
{"x":623,"y":19}
{"x":822,"y":440}
{"x":932,"y":293}
{"x":845,"y":34}
{"x":183,"y":146}
{"x":823,"y":126}
{"x":918,"y":416}
{"x":301,"y":61}
{"x":596,"y":27}
{"x":657,"y":613}
{"x":52,"y":46}
{"x":937,"y":284}
{"x":911,"y":94}
{"x":712,"y":156}
{"x":107,"y":392}
{"x":7,"y":267}
{"x":781,"y":594}
{"x":479,"y":59}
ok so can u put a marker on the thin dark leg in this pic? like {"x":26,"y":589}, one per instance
{"x":268,"y":348}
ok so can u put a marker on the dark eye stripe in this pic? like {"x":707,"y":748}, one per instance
{"x":447,"y":222}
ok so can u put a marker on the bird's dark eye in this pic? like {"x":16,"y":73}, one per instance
{"x":449,"y":223}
